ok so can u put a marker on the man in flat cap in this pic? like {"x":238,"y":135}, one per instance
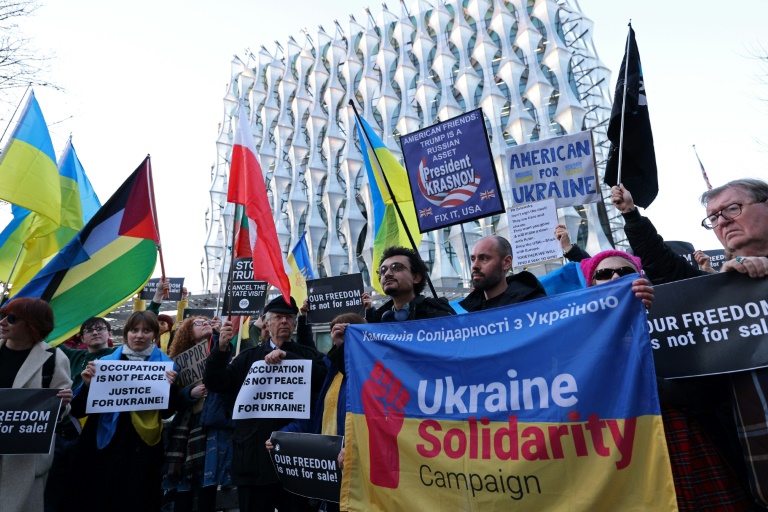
{"x":252,"y":470}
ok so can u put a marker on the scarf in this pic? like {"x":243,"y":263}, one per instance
{"x":147,"y":423}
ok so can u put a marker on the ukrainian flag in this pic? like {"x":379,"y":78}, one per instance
{"x":388,"y":231}
{"x":79,"y":203}
{"x":29,"y":176}
{"x":301,"y":269}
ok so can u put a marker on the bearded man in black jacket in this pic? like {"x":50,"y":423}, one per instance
{"x":491,"y":261}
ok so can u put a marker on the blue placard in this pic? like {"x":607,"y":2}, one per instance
{"x":451,"y":172}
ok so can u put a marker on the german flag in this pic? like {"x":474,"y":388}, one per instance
{"x":111,"y":259}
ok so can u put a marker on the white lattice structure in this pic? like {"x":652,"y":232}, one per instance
{"x":531,"y":66}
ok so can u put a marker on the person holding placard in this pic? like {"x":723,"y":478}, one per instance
{"x":703,"y":481}
{"x":198,"y":458}
{"x":329,"y":415}
{"x":732,"y":407}
{"x":27,"y":362}
{"x":491,"y":262}
{"x":403,"y":276}
{"x":126,"y":446}
{"x":252,"y":470}
{"x":95,"y":333}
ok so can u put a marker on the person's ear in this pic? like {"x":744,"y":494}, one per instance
{"x":506,"y":263}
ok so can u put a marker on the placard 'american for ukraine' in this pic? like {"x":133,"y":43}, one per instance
{"x":546,"y":405}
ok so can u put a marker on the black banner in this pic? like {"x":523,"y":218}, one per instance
{"x":329,"y":297}
{"x":173,"y":294}
{"x":306,"y":464}
{"x":247,"y":297}
{"x":27,"y":420}
{"x":709,"y":325}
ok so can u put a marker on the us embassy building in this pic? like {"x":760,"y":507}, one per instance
{"x":530,"y":65}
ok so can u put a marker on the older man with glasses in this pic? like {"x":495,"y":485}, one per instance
{"x":252,"y":470}
{"x":403,"y":276}
{"x":731,"y":407}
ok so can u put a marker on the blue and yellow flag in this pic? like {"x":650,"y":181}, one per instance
{"x":79,"y":203}
{"x":28,"y":173}
{"x":505,"y":409}
{"x":388,"y":231}
{"x":301,"y":269}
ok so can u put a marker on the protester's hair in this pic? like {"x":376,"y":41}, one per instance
{"x":37,"y":314}
{"x":417,"y":264}
{"x":167,"y":319}
{"x":184,"y":338}
{"x":147,"y":318}
{"x":589,"y":265}
{"x":757,"y":190}
{"x":348,"y":318}
{"x":503,"y":246}
{"x":94,"y":321}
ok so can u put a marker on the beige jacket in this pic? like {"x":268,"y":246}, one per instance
{"x":22,"y":477}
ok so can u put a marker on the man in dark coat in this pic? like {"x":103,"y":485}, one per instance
{"x":252,"y":470}
{"x":491,"y":260}
{"x":403,"y":276}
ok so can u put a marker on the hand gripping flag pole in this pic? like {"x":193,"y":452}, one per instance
{"x":392,"y":195}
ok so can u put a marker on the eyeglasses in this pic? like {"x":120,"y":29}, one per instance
{"x":11,"y":319}
{"x":605,"y":274}
{"x":730,"y":212}
{"x":200,"y":323}
{"x":97,"y":328}
{"x":394,"y":267}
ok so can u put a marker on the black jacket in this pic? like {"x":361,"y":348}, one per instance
{"x":660,"y":263}
{"x":251,"y":464}
{"x":521,"y":287}
{"x":421,"y":308}
{"x":576,"y":254}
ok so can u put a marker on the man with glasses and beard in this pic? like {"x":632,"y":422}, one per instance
{"x":403,"y":276}
{"x":491,"y":261}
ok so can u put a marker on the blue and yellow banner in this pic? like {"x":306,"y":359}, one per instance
{"x":546,"y":405}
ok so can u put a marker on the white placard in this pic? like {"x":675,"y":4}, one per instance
{"x":561,"y":168}
{"x":275,"y":391}
{"x":120,"y":386}
{"x":532,"y":232}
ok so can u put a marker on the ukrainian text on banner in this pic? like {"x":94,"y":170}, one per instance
{"x":562,"y":168}
{"x":547,"y":405}
{"x":451,"y":171}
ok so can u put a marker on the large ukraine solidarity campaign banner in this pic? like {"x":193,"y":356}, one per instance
{"x":451,"y":171}
{"x":546,"y":405}
{"x":562,"y":168}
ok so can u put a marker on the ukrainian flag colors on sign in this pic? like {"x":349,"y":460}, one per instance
{"x":508,"y":409}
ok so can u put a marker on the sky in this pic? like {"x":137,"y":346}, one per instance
{"x":149,"y":76}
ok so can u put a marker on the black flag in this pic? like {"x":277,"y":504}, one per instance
{"x":638,"y":173}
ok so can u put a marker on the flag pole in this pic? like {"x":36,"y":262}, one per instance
{"x":466,"y":256}
{"x":624,"y":104}
{"x":392,"y":195}
{"x":153,"y":207}
{"x":703,"y":172}
{"x":228,"y":293}
{"x":14,"y":112}
{"x":13,"y":268}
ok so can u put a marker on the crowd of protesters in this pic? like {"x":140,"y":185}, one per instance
{"x":173,"y":458}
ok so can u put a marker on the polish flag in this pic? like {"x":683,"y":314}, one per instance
{"x":246,"y":187}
